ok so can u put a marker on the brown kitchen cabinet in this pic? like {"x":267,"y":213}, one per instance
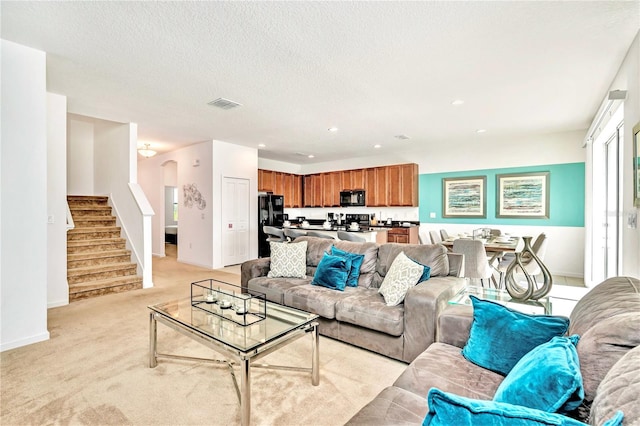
{"x":278,"y":183}
{"x":403,"y":235}
{"x":331,"y":187}
{"x":292,"y":190}
{"x":266,"y":181}
{"x":402,"y":185}
{"x":312,"y":192}
{"x":376,"y":187}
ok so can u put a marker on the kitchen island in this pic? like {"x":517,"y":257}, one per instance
{"x":373,"y":235}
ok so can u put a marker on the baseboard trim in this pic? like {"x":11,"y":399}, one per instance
{"x":24,"y":342}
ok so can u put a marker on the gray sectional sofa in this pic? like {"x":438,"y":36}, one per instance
{"x":359,"y":315}
{"x":608,"y":322}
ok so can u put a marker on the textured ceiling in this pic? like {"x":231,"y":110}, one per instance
{"x":372,"y":69}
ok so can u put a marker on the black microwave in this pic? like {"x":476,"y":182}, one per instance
{"x":352,"y":198}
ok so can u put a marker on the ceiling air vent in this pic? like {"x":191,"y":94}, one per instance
{"x":223,"y":103}
{"x":402,"y":137}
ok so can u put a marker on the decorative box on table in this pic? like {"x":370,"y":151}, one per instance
{"x":228,"y":301}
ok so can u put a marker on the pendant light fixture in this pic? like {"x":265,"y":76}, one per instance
{"x":146,"y":152}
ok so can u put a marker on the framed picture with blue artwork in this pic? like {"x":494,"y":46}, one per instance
{"x":523,"y":195}
{"x":464,"y":197}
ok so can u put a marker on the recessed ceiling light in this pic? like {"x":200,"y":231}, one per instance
{"x":377,"y":146}
{"x":333,"y":129}
{"x":481,"y":130}
{"x":311,"y":156}
{"x":261,"y":145}
{"x":457,"y":102}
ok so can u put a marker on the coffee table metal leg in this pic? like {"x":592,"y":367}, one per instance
{"x":245,"y":391}
{"x":153,"y":339}
{"x":315,"y":360}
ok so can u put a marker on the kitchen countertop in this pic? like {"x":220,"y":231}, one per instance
{"x":346,"y":228}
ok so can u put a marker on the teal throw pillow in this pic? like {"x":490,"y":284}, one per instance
{"x":426,"y":274}
{"x":447,"y":409}
{"x":548,"y":378}
{"x":500,"y":336}
{"x":332,"y":272}
{"x":356,"y":263}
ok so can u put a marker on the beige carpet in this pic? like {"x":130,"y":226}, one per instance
{"x":94,"y":370}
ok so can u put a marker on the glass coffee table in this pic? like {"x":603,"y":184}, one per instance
{"x":533,"y":307}
{"x":241,"y":344}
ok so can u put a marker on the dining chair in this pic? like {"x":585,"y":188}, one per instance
{"x":274,"y":234}
{"x":435,"y":237}
{"x":444,"y":234}
{"x":423,"y":236}
{"x":539,"y":247}
{"x":319,"y":235}
{"x":350,"y":236}
{"x":292,"y":234}
{"x":475,"y":265}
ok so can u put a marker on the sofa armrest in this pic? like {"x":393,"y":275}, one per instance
{"x":252,"y":269}
{"x":454,"y":324}
{"x":422,"y":306}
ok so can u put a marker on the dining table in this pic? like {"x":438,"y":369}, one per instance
{"x":496,"y":246}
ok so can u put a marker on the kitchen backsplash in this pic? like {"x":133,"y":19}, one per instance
{"x":396,"y":213}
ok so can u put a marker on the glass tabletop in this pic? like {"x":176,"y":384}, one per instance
{"x":221,"y":327}
{"x":535,"y":307}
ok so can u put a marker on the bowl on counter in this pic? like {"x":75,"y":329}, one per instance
{"x":354,"y":227}
{"x":305,"y":224}
{"x":286,"y":224}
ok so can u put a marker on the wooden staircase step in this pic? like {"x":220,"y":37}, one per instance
{"x":93,"y":221}
{"x":101,"y":287}
{"x":100,"y":272}
{"x":80,"y":211}
{"x":87,"y":200}
{"x":93,"y":233}
{"x":78,"y":260}
{"x":88,"y":246}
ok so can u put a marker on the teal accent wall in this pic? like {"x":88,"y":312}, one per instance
{"x":566,"y":196}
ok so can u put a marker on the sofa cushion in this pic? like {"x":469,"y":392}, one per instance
{"x":332,"y":272}
{"x":356,"y":263}
{"x":366,"y":308}
{"x":274,"y":288}
{"x":447,"y":409}
{"x":603,"y":345}
{"x":500,"y":336}
{"x":613,"y":296}
{"x":403,"y":274}
{"x":288,"y":260}
{"x":547,"y":378}
{"x":432,"y":255}
{"x":442,"y":366}
{"x":315,"y":299}
{"x":619,"y":390}
{"x":392,"y":406}
{"x":316,"y":247}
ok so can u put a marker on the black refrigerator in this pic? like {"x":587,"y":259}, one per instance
{"x":270,"y":213}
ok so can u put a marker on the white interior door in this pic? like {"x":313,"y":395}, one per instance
{"x":235,"y":220}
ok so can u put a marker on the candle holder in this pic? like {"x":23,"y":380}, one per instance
{"x":220,"y":298}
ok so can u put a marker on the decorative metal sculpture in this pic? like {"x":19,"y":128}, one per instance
{"x":532,"y":291}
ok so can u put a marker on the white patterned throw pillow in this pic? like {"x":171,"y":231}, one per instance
{"x":403,"y":274}
{"x":288,"y":260}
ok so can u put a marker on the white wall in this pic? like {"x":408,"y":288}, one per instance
{"x":199,"y":230}
{"x":80,"y":174}
{"x":628,"y":78}
{"x":116,"y":176}
{"x":23,"y":206}
{"x":236,"y":162}
{"x":57,"y":286}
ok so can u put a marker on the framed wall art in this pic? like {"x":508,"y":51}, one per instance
{"x":523,"y":195}
{"x":464,"y":197}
